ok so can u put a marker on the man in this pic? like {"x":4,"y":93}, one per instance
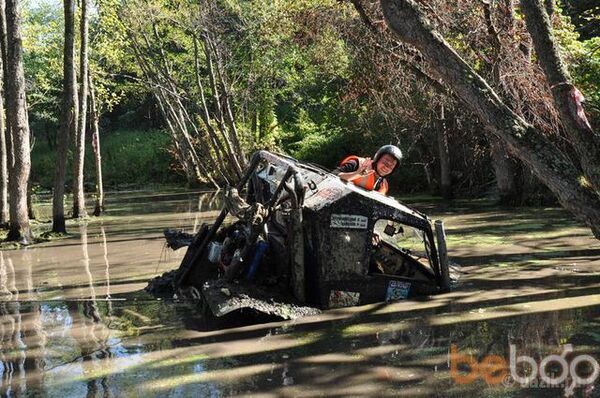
{"x":370,"y":174}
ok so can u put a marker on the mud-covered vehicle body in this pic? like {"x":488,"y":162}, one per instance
{"x":303,"y":237}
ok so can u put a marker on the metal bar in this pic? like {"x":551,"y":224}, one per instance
{"x":233,"y":268}
{"x":185,"y":269}
{"x":442,"y":253}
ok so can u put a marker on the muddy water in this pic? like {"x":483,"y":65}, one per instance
{"x":73,"y":321}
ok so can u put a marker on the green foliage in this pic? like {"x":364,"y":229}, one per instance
{"x":314,"y":142}
{"x":299,"y":67}
{"x":586,"y":72}
{"x":110,"y":63}
{"x":304,"y":77}
{"x":583,"y":59}
{"x":42,"y":58}
{"x":134,"y":158}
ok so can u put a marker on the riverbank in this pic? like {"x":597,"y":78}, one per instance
{"x":131,"y":159}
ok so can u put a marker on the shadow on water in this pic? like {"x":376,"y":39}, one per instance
{"x":74,"y":323}
{"x":148,"y":348}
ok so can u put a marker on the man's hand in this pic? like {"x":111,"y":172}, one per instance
{"x":364,"y":165}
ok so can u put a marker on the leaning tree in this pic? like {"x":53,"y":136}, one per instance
{"x":575,"y":191}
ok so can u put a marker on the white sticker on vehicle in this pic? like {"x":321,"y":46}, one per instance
{"x":351,"y":221}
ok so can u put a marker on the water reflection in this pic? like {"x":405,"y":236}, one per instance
{"x":74,"y":324}
{"x":89,"y":331}
{"x":206,"y":202}
{"x":22,"y":336}
{"x":122,"y":250}
{"x":42,"y":341}
{"x":91,"y":337}
{"x":107,"y":269}
{"x":144,"y":349}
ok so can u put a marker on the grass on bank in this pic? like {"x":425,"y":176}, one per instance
{"x":130,"y":159}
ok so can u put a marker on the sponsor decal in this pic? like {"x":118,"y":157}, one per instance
{"x":397,"y":290}
{"x":350,"y":221}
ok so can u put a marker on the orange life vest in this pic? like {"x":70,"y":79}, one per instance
{"x":367,"y":180}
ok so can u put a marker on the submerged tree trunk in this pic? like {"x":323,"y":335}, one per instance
{"x":521,"y":139}
{"x":78,"y":190}
{"x":567,"y":97}
{"x":444,"y":154}
{"x":95,"y":114}
{"x":68,"y":119}
{"x":16,"y":111}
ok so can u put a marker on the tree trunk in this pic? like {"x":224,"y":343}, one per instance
{"x":184,"y":151}
{"x":444,"y":154}
{"x":239,"y":153}
{"x":204,"y":152}
{"x":68,"y":122}
{"x":16,"y":111}
{"x":205,"y":115}
{"x":199,"y":172}
{"x":566,"y":96}
{"x":231,"y":152}
{"x":521,"y":139}
{"x":504,"y":167}
{"x":3,"y":38}
{"x":172,"y":109}
{"x":3,"y":155}
{"x":177,"y":116}
{"x":95,"y":114}
{"x":3,"y":52}
{"x":79,"y":158}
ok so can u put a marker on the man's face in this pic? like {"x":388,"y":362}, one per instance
{"x":386,"y":164}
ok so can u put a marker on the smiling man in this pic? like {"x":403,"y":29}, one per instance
{"x":370,"y":174}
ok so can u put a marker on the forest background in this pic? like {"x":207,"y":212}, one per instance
{"x":183,"y":91}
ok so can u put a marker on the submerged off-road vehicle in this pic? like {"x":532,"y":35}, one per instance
{"x":301,"y":240}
